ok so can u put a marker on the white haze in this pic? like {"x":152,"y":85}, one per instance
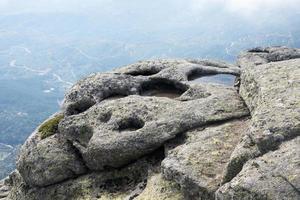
{"x":240,"y":7}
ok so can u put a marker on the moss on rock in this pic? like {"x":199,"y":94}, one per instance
{"x":50,"y":127}
{"x":160,"y":188}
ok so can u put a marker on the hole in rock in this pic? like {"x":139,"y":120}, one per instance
{"x":114,"y":96}
{"x":163,"y":88}
{"x":79,"y":106}
{"x":81,"y":136}
{"x":130,"y":124}
{"x":258,"y":50}
{"x":224,"y":79}
{"x":105,"y":117}
{"x":147,"y":72}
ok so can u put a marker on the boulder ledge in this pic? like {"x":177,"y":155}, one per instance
{"x":171,"y":130}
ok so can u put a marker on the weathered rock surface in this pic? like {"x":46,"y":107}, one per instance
{"x":160,"y":188}
{"x":199,"y":164}
{"x":48,"y":161}
{"x":275,"y":175}
{"x":113,"y":133}
{"x":264,"y":55}
{"x":112,"y":184}
{"x":180,"y":70}
{"x":139,"y":78}
{"x":4,"y":189}
{"x":150,"y":131}
{"x":272,"y":93}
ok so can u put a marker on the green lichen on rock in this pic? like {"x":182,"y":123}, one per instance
{"x":50,"y":127}
{"x":159,"y":188}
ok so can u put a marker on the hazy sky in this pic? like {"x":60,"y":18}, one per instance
{"x":242,"y":7}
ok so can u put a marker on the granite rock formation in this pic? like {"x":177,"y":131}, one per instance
{"x":154,"y":130}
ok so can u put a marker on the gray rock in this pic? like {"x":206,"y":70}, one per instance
{"x":261,"y":55}
{"x":271,"y":92}
{"x":198,"y":165}
{"x":135,"y":78}
{"x":159,"y":188}
{"x":106,"y":185}
{"x":48,"y":161}
{"x":98,"y":87}
{"x":4,"y":190}
{"x":178,"y":69}
{"x":245,"y":150}
{"x":112,"y":119}
{"x":274,"y":176}
{"x":116,"y":132}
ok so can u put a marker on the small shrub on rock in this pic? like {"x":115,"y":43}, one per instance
{"x":50,"y":127}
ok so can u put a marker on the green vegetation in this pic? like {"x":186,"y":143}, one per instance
{"x":50,"y":127}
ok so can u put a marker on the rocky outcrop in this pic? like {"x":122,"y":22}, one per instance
{"x":110,"y":184}
{"x":272,"y":93}
{"x":4,"y":189}
{"x":142,"y":78}
{"x":264,"y":55}
{"x":274,"y":175}
{"x":160,"y":188}
{"x":151,"y":130}
{"x":50,"y":161}
{"x":198,"y":165}
{"x":116,"y":132}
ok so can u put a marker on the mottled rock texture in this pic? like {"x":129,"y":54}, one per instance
{"x":159,"y":188}
{"x":275,"y":175}
{"x":48,"y":161}
{"x":271,"y":92}
{"x":198,"y":165}
{"x":264,"y":55}
{"x":111,"y":184}
{"x":138,"y":79}
{"x":113,"y":133}
{"x":150,"y":131}
{"x":4,"y":189}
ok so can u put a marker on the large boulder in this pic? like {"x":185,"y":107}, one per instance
{"x":273,"y":176}
{"x":271,"y":92}
{"x":198,"y":165}
{"x":109,"y":120}
{"x":50,"y":160}
{"x":116,"y":184}
{"x":264,"y":55}
{"x":116,"y":132}
{"x":270,"y":87}
{"x":136,"y":78}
